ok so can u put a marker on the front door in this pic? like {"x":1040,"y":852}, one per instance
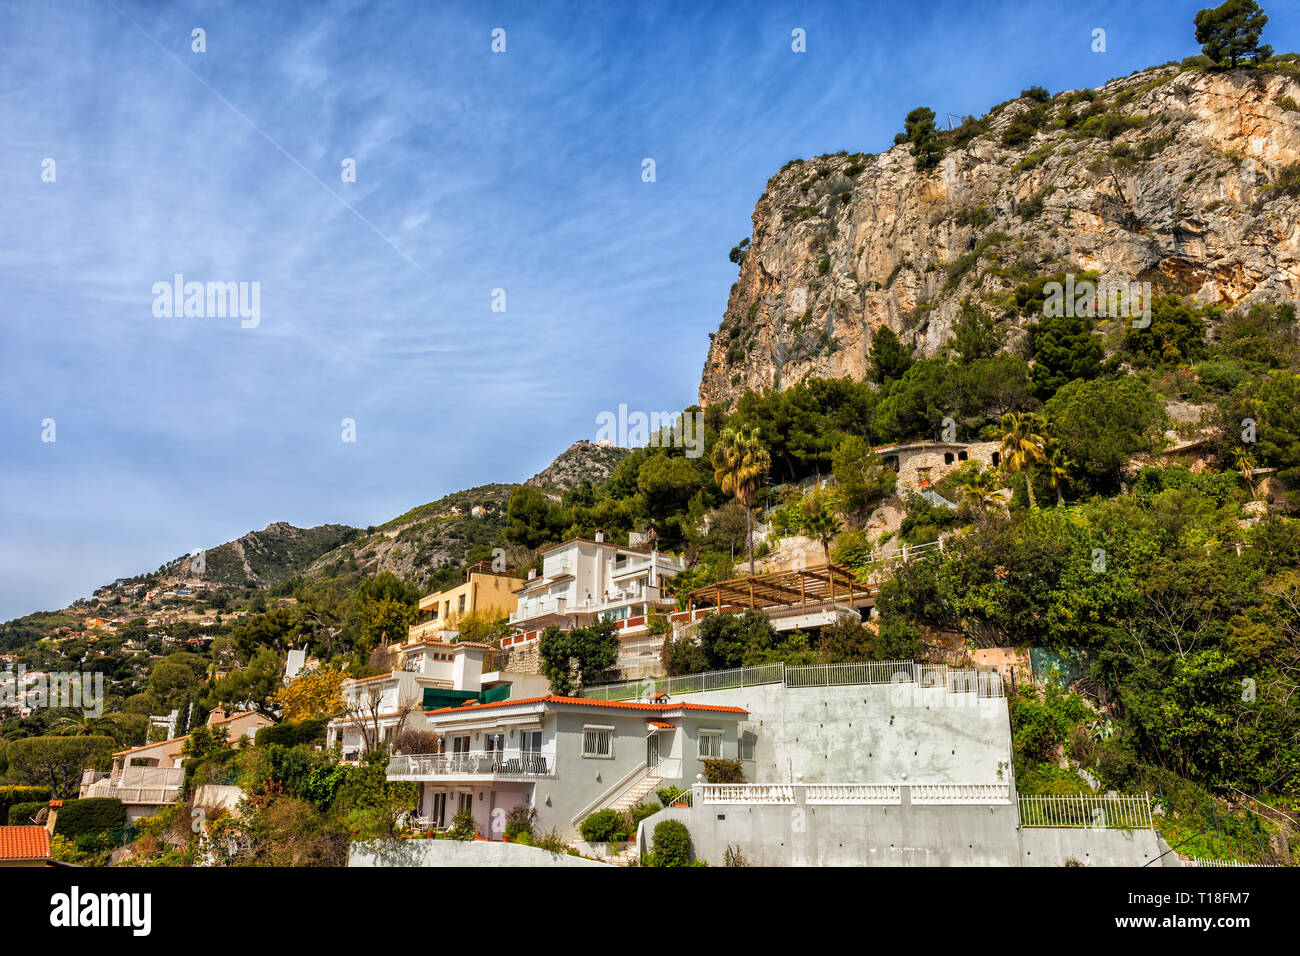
{"x":652,"y":751}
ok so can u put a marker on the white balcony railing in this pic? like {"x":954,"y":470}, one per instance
{"x":854,"y":794}
{"x":753,"y":793}
{"x":422,"y":766}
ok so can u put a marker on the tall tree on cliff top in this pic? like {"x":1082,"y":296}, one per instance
{"x":1231,"y":32}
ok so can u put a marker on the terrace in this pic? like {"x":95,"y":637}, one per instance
{"x":474,"y":765}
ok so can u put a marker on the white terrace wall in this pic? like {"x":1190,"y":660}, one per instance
{"x":1054,"y":846}
{"x":865,"y":732}
{"x":899,"y":835}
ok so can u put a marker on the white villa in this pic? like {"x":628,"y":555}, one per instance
{"x":583,"y":581}
{"x":432,"y":674}
{"x":566,"y":757}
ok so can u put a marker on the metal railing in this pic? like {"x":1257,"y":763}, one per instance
{"x":476,"y":762}
{"x":1201,"y":861}
{"x":1087,"y":811}
{"x":862,"y":672}
{"x":983,"y":683}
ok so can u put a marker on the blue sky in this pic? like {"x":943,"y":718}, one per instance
{"x":475,"y":171}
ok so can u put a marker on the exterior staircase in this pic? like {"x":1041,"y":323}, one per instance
{"x":637,"y":792}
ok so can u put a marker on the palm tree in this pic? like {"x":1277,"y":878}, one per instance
{"x":1245,"y":463}
{"x":819,"y":521}
{"x":980,"y":487}
{"x":740,"y":462}
{"x":1022,"y":447}
{"x":1059,"y":466}
{"x":81,"y":724}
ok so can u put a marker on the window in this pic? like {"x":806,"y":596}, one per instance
{"x":530,"y":741}
{"x":465,"y":801}
{"x":748,"y":739}
{"x":597,"y":741}
{"x":494,"y":743}
{"x":460,"y":745}
{"x":710,"y":744}
{"x":461,"y":604}
{"x":947,"y":458}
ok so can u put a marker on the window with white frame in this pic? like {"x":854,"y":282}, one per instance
{"x":597,"y":741}
{"x":710,"y":744}
{"x":747,"y":742}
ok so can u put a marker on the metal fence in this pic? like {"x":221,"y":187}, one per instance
{"x":1087,"y":811}
{"x":984,"y":683}
{"x":1201,"y":861}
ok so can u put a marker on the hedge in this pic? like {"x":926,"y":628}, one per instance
{"x":20,"y":814}
{"x":9,"y":796}
{"x":90,"y":815}
{"x":290,"y":734}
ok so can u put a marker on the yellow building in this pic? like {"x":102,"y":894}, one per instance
{"x":485,"y":593}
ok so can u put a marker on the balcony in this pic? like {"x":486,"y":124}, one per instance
{"x":473,"y":764}
{"x":136,"y":785}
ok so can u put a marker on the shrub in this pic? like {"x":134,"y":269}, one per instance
{"x":551,"y":841}
{"x":724,"y":771}
{"x":289,"y":733}
{"x":643,"y":810}
{"x":463,"y":826}
{"x":520,"y":821}
{"x":671,"y":844}
{"x":92,"y":815}
{"x":9,"y":796}
{"x":605,"y":826}
{"x":734,"y":856}
{"x":668,"y":794}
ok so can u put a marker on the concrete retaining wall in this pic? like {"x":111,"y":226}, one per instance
{"x":1055,"y":846}
{"x":974,"y":835}
{"x":868,"y":732}
{"x":457,"y":853}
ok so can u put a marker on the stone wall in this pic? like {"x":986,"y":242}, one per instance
{"x":522,"y":658}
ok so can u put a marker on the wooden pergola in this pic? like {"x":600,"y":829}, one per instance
{"x":813,"y":585}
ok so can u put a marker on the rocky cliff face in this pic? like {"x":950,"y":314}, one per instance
{"x":1172,"y":176}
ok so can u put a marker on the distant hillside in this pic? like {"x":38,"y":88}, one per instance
{"x":442,"y":533}
{"x":583,"y":460}
{"x":261,"y":558}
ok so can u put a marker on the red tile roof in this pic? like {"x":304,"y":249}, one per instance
{"x":661,"y":725}
{"x":589,"y":702}
{"x":24,"y":843}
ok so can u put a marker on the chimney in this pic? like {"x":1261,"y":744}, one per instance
{"x":532,"y":573}
{"x":216,"y":715}
{"x":52,"y":816}
{"x":600,"y":536}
